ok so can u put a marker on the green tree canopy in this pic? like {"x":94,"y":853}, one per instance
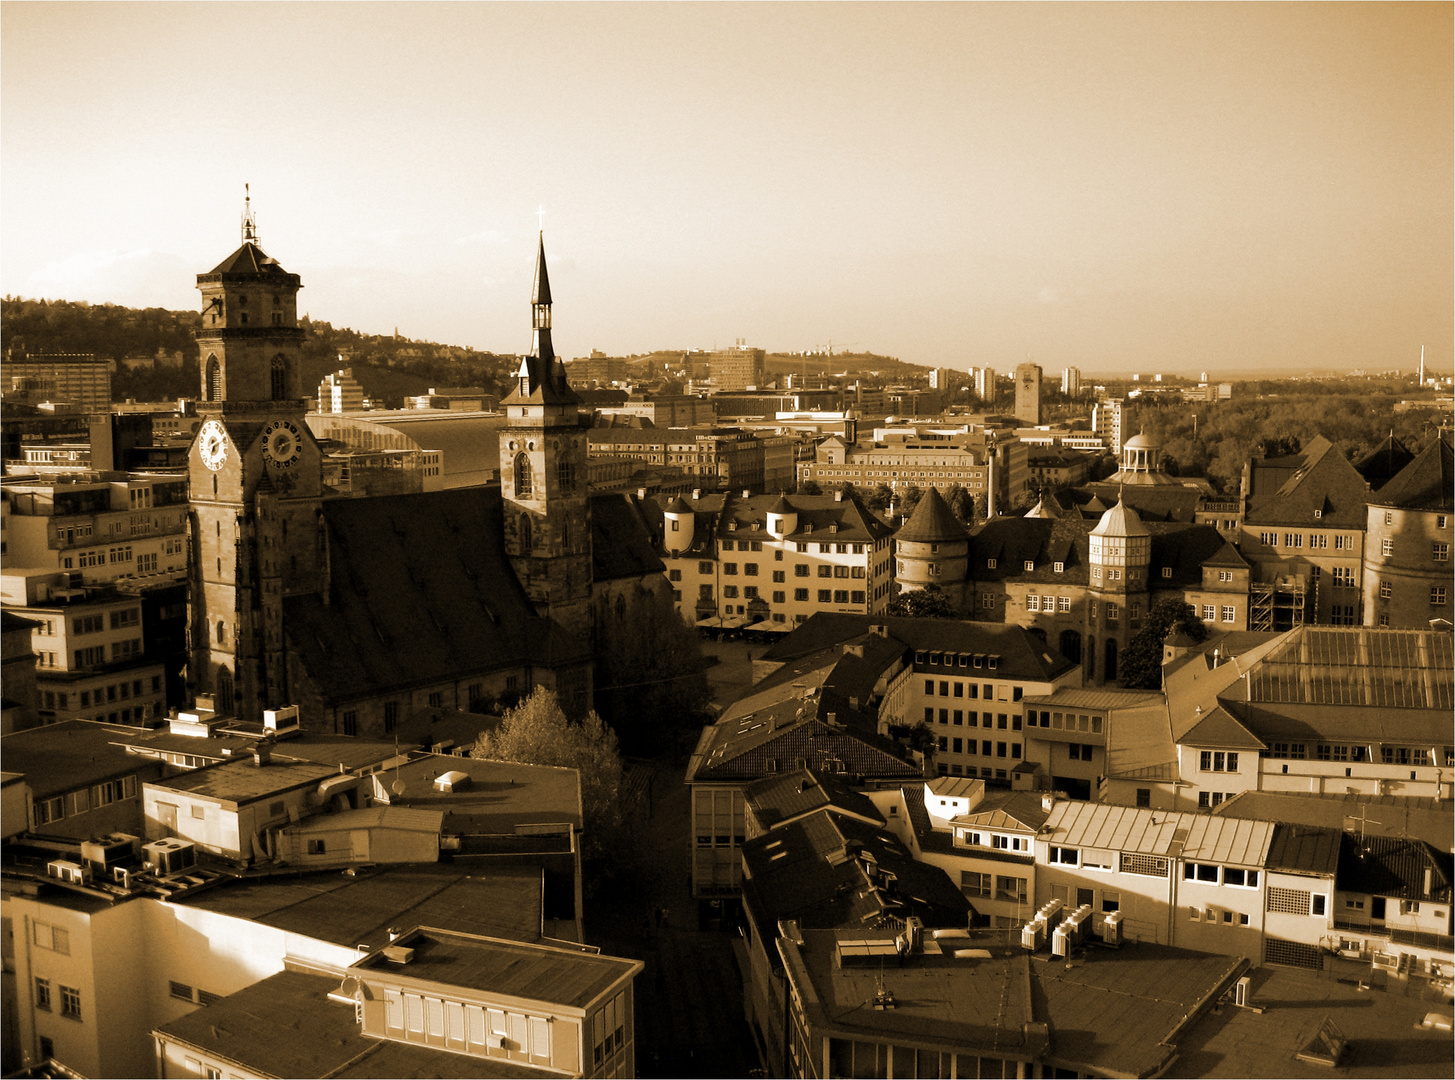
{"x":961,"y":504}
{"x":537,"y":732}
{"x":909,"y":499}
{"x":927,"y":603}
{"x":879,"y":499}
{"x":1141,"y":663}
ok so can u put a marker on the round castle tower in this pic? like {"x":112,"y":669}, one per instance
{"x":932,"y":548}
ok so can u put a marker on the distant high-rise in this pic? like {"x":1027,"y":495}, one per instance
{"x":1028,"y":393}
{"x":1071,"y":381}
{"x":1106,"y":421}
{"x":737,"y":368}
{"x":943,"y":378}
{"x":985,"y":384}
{"x":340,"y":393}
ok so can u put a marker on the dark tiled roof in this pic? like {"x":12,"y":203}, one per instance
{"x":61,"y":757}
{"x":1384,"y":462}
{"x":1173,"y":502}
{"x":1425,"y":483}
{"x":1219,"y":729}
{"x":932,"y":522}
{"x":781,"y":797}
{"x":1315,"y":488}
{"x":420,"y":591}
{"x":746,"y":754}
{"x":250,"y":259}
{"x":621,"y":547}
{"x":821,"y":519}
{"x":1227,"y":555}
{"x":1393,"y":866}
{"x":1423,"y":818}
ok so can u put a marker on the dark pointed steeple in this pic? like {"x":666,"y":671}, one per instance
{"x":249,"y":222}
{"x":542,"y":374}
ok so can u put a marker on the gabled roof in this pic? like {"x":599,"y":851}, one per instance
{"x":1219,"y":729}
{"x":1384,"y":462}
{"x":776,"y":739}
{"x":1227,"y":555}
{"x":250,"y":259}
{"x":1423,"y":818}
{"x":785,"y":796}
{"x":1317,"y":487}
{"x":932,"y":522}
{"x":1304,"y":849}
{"x":821,"y":519}
{"x":1426,"y":483}
{"x":1394,"y":866}
{"x":420,"y":591}
{"x":1008,"y":810}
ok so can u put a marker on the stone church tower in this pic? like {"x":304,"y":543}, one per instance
{"x":543,"y":477}
{"x":256,"y":481}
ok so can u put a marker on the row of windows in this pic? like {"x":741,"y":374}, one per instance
{"x":801,"y":546}
{"x":1210,"y":613}
{"x":1048,"y":603}
{"x":971,"y":690}
{"x":1218,"y":761}
{"x":967,"y":746}
{"x":57,"y":807}
{"x":1070,"y":721}
{"x":800,"y":570}
{"x":1388,"y":755}
{"x":993,"y":886}
{"x":121,"y":691}
{"x":960,"y":718}
{"x":1316,"y":541}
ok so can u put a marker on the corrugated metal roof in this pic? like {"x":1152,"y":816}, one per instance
{"x":1198,"y":837}
{"x":1077,"y":698}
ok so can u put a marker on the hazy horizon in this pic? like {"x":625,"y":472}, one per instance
{"x":1116,"y":187}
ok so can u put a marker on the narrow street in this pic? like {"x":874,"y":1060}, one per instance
{"x":689,"y":1007}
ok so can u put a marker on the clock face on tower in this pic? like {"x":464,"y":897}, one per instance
{"x":281,"y":444}
{"x":212,"y":444}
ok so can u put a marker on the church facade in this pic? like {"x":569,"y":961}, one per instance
{"x":364,"y":611}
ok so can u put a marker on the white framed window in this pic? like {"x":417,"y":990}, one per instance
{"x":1064,"y":856}
{"x":1229,"y":613}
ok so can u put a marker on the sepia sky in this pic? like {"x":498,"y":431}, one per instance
{"x":1152,"y":187}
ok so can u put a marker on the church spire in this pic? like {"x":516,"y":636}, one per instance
{"x":540,"y":306}
{"x":249,"y":222}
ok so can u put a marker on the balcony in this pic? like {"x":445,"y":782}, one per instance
{"x":1398,"y":935}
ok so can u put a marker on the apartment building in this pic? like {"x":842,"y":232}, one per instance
{"x":994,"y":470}
{"x":740,"y":367}
{"x":740,"y":559}
{"x":710,"y":457}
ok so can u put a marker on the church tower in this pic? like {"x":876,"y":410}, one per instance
{"x":543,"y":476}
{"x":256,"y":479}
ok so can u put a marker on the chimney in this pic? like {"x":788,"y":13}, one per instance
{"x":696,"y":494}
{"x":262,"y":755}
{"x":642,"y":494}
{"x":1047,"y":802}
{"x":839,"y":495}
{"x":747,"y":493}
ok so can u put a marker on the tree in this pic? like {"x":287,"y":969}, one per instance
{"x":537,"y":732}
{"x":650,"y":676}
{"x":910,"y":499}
{"x":808,"y":487}
{"x":1141,"y":663}
{"x":927,"y":603}
{"x":961,"y":504}
{"x":879,"y":499}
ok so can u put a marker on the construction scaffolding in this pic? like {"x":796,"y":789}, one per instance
{"x":1280,"y":604}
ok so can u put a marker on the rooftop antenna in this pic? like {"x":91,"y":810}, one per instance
{"x":249,"y":222}
{"x":1364,"y":821}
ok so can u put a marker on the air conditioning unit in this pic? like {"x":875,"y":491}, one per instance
{"x":70,"y":872}
{"x":1033,"y":935}
{"x":1111,"y":929}
{"x":1243,"y":992}
{"x":1058,"y":941}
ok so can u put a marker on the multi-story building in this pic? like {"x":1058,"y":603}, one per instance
{"x":78,"y":379}
{"x":736,"y":368}
{"x":340,"y":392}
{"x":21,"y":708}
{"x":1106,"y":421}
{"x":78,"y":780}
{"x":104,"y":527}
{"x":1071,"y":381}
{"x":1316,"y":709}
{"x":665,"y":410}
{"x":92,"y":657}
{"x":985,"y":384}
{"x":1028,"y":393}
{"x":1407,"y":575}
{"x":1066,"y":735}
{"x":1056,"y":468}
{"x":991,"y":468}
{"x":1303,"y":530}
{"x":711,"y":457}
{"x":738,"y":559}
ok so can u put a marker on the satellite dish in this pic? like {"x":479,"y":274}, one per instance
{"x":397,"y":787}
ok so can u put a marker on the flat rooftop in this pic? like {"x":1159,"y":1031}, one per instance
{"x":349,"y":910}
{"x":507,"y":968}
{"x":241,"y":782}
{"x":286,"y":1026}
{"x":71,"y":754}
{"x":501,"y":794}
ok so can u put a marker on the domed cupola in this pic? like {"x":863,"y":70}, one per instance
{"x":1121,"y":549}
{"x":678,"y":521}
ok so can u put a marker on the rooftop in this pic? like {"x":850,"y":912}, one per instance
{"x":561,"y":977}
{"x":61,"y":757}
{"x":241,"y":782}
{"x":1159,"y":832}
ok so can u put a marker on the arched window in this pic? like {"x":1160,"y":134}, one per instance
{"x":213,"y":389}
{"x":1070,"y":645}
{"x":221,"y":632}
{"x":525,"y":536}
{"x":278,"y":390}
{"x":1109,"y":669}
{"x":522,"y":476}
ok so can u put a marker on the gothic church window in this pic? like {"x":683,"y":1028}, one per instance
{"x":566,"y":476}
{"x":525,"y":538}
{"x":278,"y":389}
{"x":214,"y":379}
{"x":522,"y":476}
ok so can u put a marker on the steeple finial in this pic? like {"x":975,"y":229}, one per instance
{"x":540,"y":306}
{"x":249,"y":222}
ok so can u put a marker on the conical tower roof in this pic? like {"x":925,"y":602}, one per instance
{"x":541,"y":293}
{"x":1120,"y":520}
{"x":1425,"y":483}
{"x":782,"y":507}
{"x":932,"y":522}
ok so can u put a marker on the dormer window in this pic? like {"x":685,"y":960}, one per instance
{"x":1318,"y":513}
{"x":1030,"y":564}
{"x":732,"y":526}
{"x":1167,"y":571}
{"x":1059,"y":567}
{"x":990,"y":564}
